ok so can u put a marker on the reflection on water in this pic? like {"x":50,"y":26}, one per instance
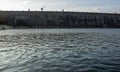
{"x":56,"y":31}
{"x":61,"y":52}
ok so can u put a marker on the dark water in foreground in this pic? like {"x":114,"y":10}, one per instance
{"x":37,"y":50}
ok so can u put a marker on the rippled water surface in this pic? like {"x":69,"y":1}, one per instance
{"x":60,"y":50}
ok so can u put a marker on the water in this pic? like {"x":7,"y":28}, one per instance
{"x":83,"y":30}
{"x":60,"y":50}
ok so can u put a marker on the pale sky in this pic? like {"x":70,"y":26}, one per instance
{"x":58,"y":5}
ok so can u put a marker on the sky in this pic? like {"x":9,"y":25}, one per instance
{"x":58,"y":5}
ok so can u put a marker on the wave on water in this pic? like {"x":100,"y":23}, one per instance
{"x":65,"y":52}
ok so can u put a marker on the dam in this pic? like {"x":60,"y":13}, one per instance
{"x":54,"y":19}
{"x":59,"y":42}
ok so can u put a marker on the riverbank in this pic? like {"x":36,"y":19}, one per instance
{"x":5,"y":27}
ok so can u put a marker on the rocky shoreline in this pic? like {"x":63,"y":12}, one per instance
{"x":4,"y":27}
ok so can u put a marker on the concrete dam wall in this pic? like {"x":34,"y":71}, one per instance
{"x":49,"y":19}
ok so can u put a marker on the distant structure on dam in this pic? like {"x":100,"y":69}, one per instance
{"x":50,"y":19}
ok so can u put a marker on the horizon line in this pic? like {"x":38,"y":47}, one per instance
{"x":59,"y":11}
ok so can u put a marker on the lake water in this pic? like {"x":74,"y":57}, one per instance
{"x":60,"y":50}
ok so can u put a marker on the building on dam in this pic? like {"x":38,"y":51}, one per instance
{"x":52,"y":19}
